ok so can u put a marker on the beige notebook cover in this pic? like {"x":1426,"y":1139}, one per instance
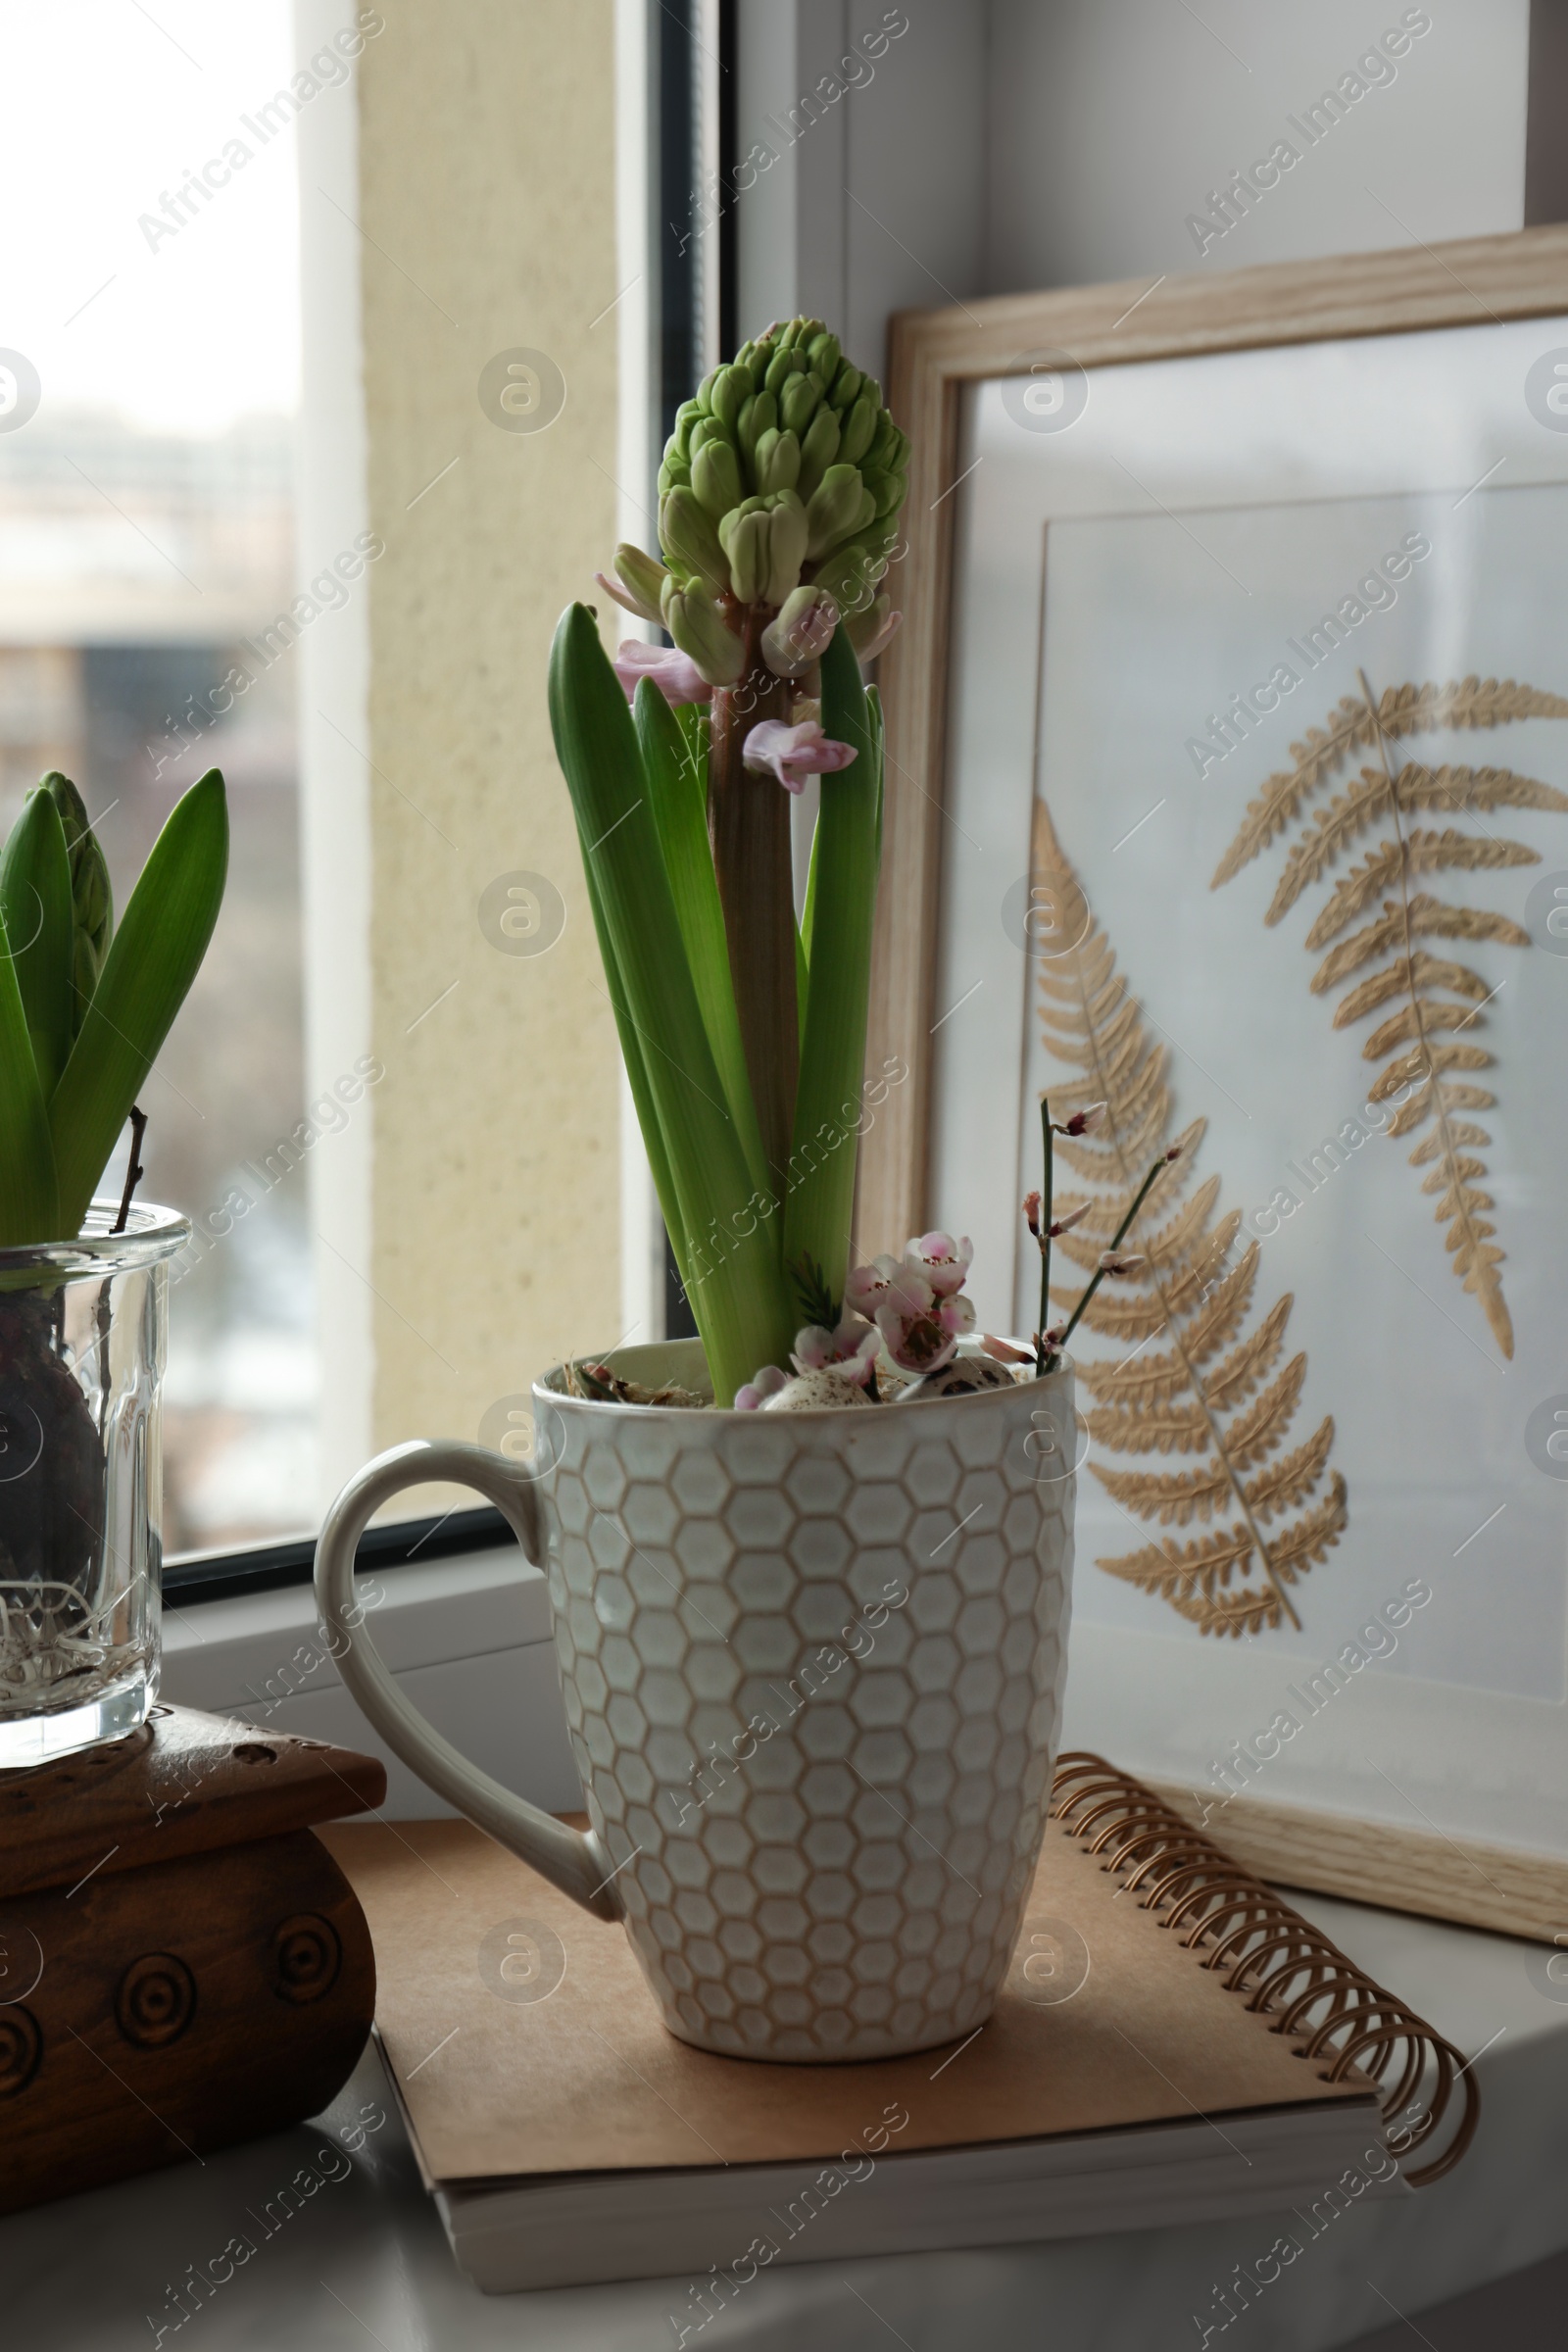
{"x":587,"y":2079}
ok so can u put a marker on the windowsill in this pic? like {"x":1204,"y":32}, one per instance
{"x":468,"y":1637}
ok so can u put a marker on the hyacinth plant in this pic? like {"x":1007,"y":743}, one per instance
{"x":743,"y":1031}
{"x":84,"y":1007}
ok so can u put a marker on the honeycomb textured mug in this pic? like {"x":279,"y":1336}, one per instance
{"x":813,"y":1667}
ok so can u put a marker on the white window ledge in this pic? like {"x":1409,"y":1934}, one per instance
{"x":469,"y":1640}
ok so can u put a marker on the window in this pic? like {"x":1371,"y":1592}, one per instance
{"x":147,"y":431}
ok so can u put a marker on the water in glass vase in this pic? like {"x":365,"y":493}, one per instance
{"x":82,"y":1343}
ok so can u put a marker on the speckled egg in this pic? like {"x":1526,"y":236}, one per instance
{"x":811,"y":1391}
{"x":965,"y":1375}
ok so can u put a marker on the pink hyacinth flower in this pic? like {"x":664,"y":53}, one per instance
{"x":755,"y":1393}
{"x":941,"y":1260}
{"x":920,"y":1331}
{"x":875,"y":643}
{"x":675,"y":673}
{"x":792,"y":754}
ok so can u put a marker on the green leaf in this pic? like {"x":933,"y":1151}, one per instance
{"x":678,"y":791}
{"x":632,"y":1052}
{"x":828,"y":1107}
{"x":30,"y":1209}
{"x":733,"y":1278}
{"x":35,"y":902}
{"x":151,"y":960}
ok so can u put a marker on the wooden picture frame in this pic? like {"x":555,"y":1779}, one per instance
{"x":936,"y":356}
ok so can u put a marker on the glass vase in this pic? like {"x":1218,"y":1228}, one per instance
{"x":82,"y":1344}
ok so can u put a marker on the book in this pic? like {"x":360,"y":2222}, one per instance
{"x":1173,"y":2043}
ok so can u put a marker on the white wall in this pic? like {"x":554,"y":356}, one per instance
{"x":1005,"y":144}
{"x":1111,"y":120}
{"x":879,"y":204}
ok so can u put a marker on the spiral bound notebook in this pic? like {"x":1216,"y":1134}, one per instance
{"x":1173,"y":2043}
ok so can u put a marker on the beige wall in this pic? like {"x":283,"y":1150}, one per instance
{"x":487,"y":206}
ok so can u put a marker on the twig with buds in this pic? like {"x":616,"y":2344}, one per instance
{"x":1051,"y":1343}
{"x":1044,"y":1228}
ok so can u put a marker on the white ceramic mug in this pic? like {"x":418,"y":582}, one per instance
{"x":812,"y":1668}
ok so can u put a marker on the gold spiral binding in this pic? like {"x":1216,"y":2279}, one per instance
{"x":1333,"y":2014}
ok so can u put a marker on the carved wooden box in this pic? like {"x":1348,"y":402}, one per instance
{"x":182,"y":1964}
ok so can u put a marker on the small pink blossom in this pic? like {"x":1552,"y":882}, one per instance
{"x":1119,"y":1262}
{"x":1174,"y":1153}
{"x":867,"y":1287}
{"x":852,"y":1349}
{"x":1082,"y":1122}
{"x":1074,"y":1216}
{"x":941,"y":1260}
{"x":1031,"y":1213}
{"x":675,"y":673}
{"x":1004,"y":1352}
{"x":754,"y":1395}
{"x":921,"y":1330}
{"x":792,"y":754}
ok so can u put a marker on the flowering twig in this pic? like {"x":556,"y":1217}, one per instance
{"x":1110,"y":1262}
{"x":1046,"y":1225}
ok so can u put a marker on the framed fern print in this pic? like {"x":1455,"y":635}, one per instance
{"x":1243,"y":806}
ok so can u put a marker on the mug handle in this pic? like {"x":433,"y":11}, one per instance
{"x":577,"y":1863}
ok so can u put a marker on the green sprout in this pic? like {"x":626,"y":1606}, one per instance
{"x":84,"y":1008}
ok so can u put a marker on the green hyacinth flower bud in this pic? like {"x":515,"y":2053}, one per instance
{"x":837,"y":509}
{"x":823,"y":353}
{"x":91,"y":897}
{"x":818,"y":450}
{"x":731,"y":386}
{"x":638,"y":583}
{"x":743,"y":535}
{"x":799,"y":402}
{"x":688,"y":538}
{"x":801,"y":633}
{"x":785,"y":460}
{"x":854,"y":439}
{"x":706,"y":429}
{"x":717,"y":477}
{"x":787,"y":543}
{"x":758,"y":415}
{"x":888,"y":490}
{"x":883,"y":440}
{"x":779,"y":462}
{"x":697,"y":624}
{"x":783,"y":365}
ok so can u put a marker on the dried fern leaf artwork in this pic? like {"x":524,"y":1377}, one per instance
{"x":1209,"y":1392}
{"x":1432,"y":1004}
